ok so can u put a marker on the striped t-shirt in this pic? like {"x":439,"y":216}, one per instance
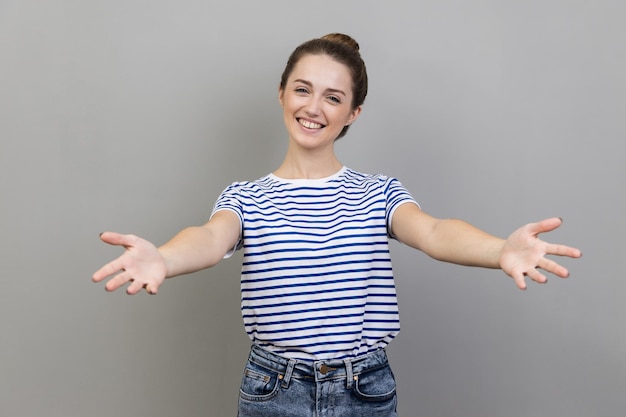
{"x":316,"y":280}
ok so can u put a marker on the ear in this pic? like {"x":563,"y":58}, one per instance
{"x":281,"y":93}
{"x":354,"y":115}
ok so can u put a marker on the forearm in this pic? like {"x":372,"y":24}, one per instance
{"x":459,"y":242}
{"x":200,"y":247}
{"x":189,"y":251}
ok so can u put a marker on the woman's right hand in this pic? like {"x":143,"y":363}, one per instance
{"x":141,"y":264}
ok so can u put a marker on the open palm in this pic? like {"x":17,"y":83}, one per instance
{"x":524,"y":254}
{"x":141,"y":264}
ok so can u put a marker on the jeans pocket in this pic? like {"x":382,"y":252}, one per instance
{"x":258,"y":383}
{"x":375,"y":385}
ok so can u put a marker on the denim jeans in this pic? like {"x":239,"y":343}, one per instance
{"x":276,"y":386}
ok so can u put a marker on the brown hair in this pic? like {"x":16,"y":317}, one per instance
{"x":342,"y":48}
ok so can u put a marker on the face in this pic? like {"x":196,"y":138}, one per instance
{"x":317,"y":101}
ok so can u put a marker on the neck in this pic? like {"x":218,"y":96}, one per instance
{"x":310,"y":165}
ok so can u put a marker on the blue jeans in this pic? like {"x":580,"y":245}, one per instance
{"x":276,"y":386}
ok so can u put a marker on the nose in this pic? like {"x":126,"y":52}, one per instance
{"x":313,"y":106}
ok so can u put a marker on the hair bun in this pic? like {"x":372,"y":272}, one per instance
{"x":343,"y":39}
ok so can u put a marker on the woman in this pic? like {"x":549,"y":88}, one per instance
{"x":318,"y":299}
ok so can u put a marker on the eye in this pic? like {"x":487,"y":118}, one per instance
{"x":301,"y":90}
{"x":335,"y":99}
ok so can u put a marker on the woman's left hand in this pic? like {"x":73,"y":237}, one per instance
{"x":523,"y":254}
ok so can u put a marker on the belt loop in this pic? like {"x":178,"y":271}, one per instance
{"x":349,"y":374}
{"x":288,"y":373}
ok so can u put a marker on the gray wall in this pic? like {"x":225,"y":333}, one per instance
{"x":132,"y":116}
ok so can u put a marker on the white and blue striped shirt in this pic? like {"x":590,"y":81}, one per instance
{"x":316,"y":280}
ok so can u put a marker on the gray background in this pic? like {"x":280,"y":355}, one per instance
{"x":132,"y":116}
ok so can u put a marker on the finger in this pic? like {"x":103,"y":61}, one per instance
{"x":117,"y":281}
{"x":109,"y":269}
{"x":118,"y":239}
{"x":553,"y":268}
{"x":536,"y":276}
{"x":135,"y":287}
{"x":562,"y":250}
{"x":152,"y":289}
{"x":546,"y":225}
{"x":519,"y":280}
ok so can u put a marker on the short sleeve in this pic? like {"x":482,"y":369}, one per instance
{"x":230,"y":199}
{"x":395,"y":195}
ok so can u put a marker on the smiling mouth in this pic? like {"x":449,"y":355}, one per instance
{"x":310,"y":125}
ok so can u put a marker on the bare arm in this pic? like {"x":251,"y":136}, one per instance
{"x":448,"y":240}
{"x":456,"y":241}
{"x":201,"y":247}
{"x":146,"y":266}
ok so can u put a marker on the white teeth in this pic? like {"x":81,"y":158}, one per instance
{"x":309,"y":125}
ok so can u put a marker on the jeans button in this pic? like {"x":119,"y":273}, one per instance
{"x":324,"y":369}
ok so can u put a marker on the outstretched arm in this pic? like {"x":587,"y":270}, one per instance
{"x":456,"y":241}
{"x":146,"y":266}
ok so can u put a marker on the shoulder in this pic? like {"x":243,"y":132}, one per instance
{"x":362,"y":178}
{"x":258,"y":184}
{"x":389,"y":187}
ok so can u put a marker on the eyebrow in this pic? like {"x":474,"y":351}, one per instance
{"x":309,"y":84}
